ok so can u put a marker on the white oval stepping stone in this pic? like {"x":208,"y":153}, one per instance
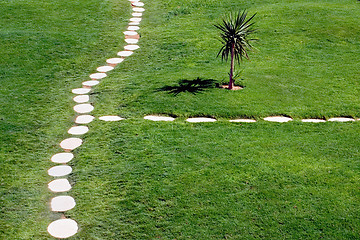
{"x":138,"y":4}
{"x":90,"y":83}
{"x":62,"y":228}
{"x":83,"y":108}
{"x":243,"y":120}
{"x":201,"y":119}
{"x":81,"y":90}
{"x":124,"y":53}
{"x":97,"y":76}
{"x":135,"y":19}
{"x":78,"y":130}
{"x":134,"y":23}
{"x":62,"y":203}
{"x":62,"y":157}
{"x":130,"y":33}
{"x":278,"y":119}
{"x":310,"y":120}
{"x":133,"y":28}
{"x":71,"y":143}
{"x":131,"y":47}
{"x":132,"y":41}
{"x":115,"y":60}
{"x":159,"y":118}
{"x":111,"y":118}
{"x":81,"y":98}
{"x":136,"y":14}
{"x":59,"y":171}
{"x":104,"y":68}
{"x":59,"y":185}
{"x":341,"y":119}
{"x":138,"y":9}
{"x":84,"y":119}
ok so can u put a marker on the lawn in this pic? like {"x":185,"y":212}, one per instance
{"x":143,"y":180}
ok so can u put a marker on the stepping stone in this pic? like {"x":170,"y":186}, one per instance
{"x":62,"y":203}
{"x":62,"y":228}
{"x":83,"y":108}
{"x":138,"y":9}
{"x":138,"y":4}
{"x":313,"y":120}
{"x":111,"y":118}
{"x":133,"y":28}
{"x":124,"y":53}
{"x":132,"y":41}
{"x":104,"y":69}
{"x":133,"y":24}
{"x":341,"y":119}
{"x":136,"y":14}
{"x":97,"y":76}
{"x":278,"y":119}
{"x":81,"y":98}
{"x":89,"y":84}
{"x":130,"y":33}
{"x":135,"y":19}
{"x":243,"y":120}
{"x":59,"y":185}
{"x":78,"y":130}
{"x":81,"y":90}
{"x":131,"y":47}
{"x":62,"y":157}
{"x":114,"y":61}
{"x":159,"y":118}
{"x":71,"y":143}
{"x":201,"y":119}
{"x":84,"y":119}
{"x":59,"y":171}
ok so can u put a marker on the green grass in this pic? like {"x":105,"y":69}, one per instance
{"x":144,"y":180}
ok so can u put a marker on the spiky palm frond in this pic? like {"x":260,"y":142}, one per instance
{"x":235,"y":31}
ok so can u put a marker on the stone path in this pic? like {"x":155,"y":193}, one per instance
{"x":65,"y":227}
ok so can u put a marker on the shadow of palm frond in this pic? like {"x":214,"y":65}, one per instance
{"x":192,"y":86}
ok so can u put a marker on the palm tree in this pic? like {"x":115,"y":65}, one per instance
{"x":235,"y":32}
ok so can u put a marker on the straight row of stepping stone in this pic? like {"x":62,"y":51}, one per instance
{"x":85,"y":119}
{"x":270,"y":119}
{"x":64,"y":228}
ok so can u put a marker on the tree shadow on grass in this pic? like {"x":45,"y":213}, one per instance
{"x":195,"y":86}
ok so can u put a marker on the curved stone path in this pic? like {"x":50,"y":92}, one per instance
{"x":65,"y":227}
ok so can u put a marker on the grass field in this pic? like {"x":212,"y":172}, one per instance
{"x":143,"y":180}
{"x":218,"y":181}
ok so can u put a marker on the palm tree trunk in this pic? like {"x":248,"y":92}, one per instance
{"x":231,"y":80}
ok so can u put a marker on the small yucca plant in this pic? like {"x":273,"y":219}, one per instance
{"x":235,"y":32}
